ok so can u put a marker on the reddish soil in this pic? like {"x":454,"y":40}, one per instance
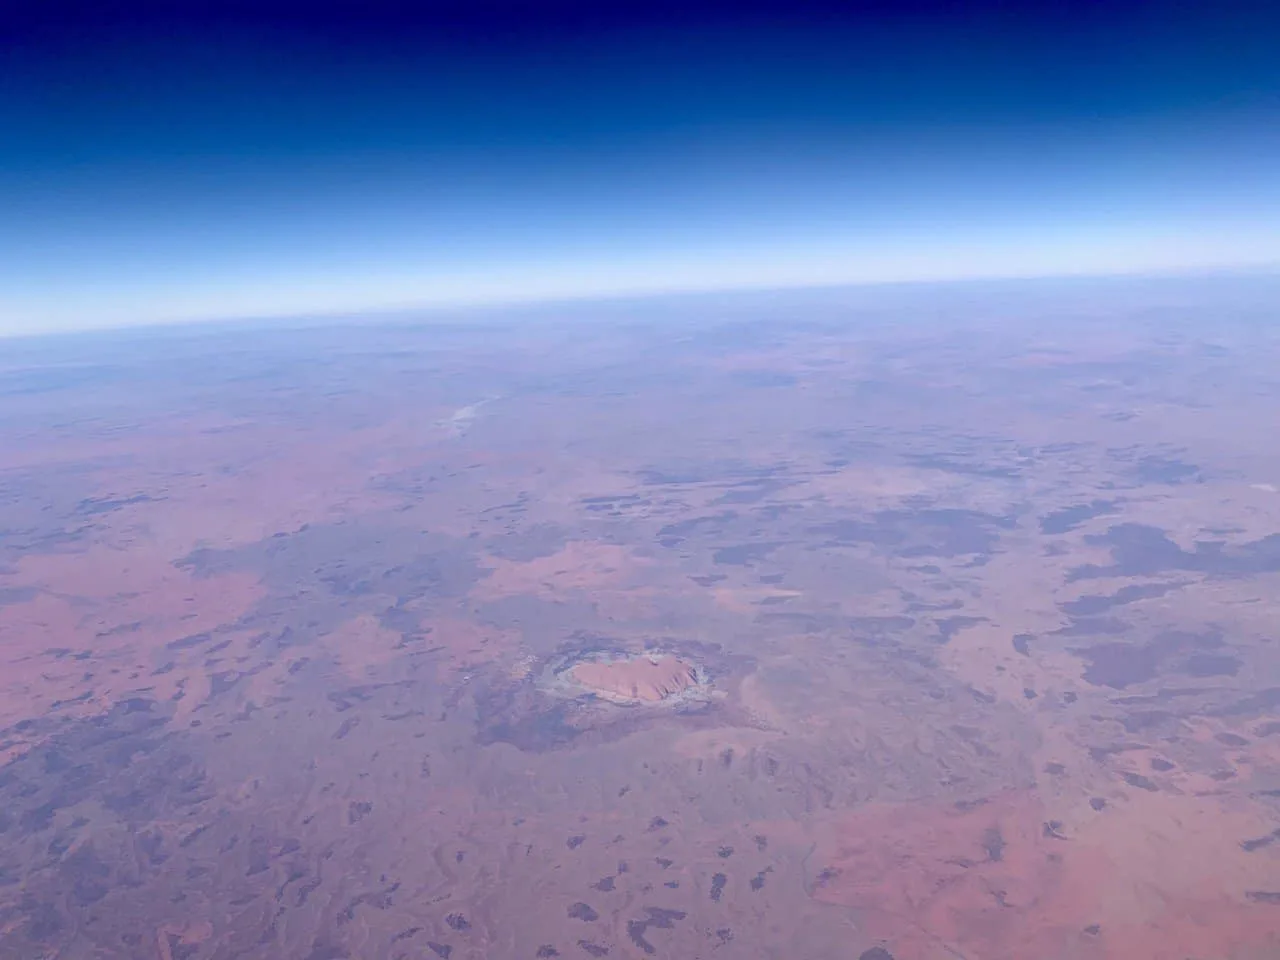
{"x":999,"y":881}
{"x":277,"y":628}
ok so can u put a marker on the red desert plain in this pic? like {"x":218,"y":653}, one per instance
{"x":798,"y":628}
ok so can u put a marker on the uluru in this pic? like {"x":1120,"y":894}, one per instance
{"x":646,"y":679}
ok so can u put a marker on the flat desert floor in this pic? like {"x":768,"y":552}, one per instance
{"x":732,"y":629}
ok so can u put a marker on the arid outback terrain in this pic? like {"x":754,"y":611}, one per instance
{"x":801,"y":628}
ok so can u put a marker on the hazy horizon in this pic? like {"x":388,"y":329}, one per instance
{"x":164,"y":166}
{"x":1152,"y":289}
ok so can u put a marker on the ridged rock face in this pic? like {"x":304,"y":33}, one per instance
{"x":640,"y":679}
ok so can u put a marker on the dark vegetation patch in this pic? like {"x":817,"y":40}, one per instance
{"x":1139,"y":781}
{"x":993,"y":843}
{"x":1093,"y":605}
{"x":323,"y":574}
{"x":948,"y":627}
{"x":1264,"y":701}
{"x":530,"y":542}
{"x":95,"y":506}
{"x":1119,"y":664}
{"x":752,"y":491}
{"x":516,"y":713}
{"x":743,"y":554}
{"x":1166,"y":470}
{"x":1069,"y":518}
{"x":131,"y":770}
{"x":1094,"y":627}
{"x":656,"y":917}
{"x":709,"y":525}
{"x":718,"y":882}
{"x":1211,"y":665}
{"x":922,"y":533}
{"x":1138,"y":550}
{"x":1259,"y":843}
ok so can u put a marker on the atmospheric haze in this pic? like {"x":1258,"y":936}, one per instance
{"x":655,"y":482}
{"x":169,"y":162}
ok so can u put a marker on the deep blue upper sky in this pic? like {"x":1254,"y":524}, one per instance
{"x":166,"y":161}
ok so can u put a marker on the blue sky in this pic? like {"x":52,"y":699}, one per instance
{"x":160,"y":167}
